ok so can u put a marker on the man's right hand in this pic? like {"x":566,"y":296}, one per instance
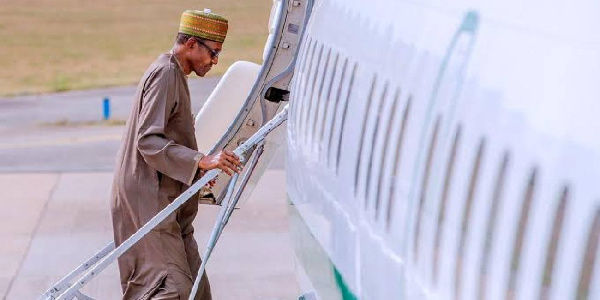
{"x":225,"y":160}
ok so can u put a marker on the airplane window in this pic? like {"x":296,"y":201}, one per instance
{"x":305,"y":61}
{"x":312,"y":99}
{"x":303,"y":103}
{"x":396,"y":166}
{"x":553,"y":244}
{"x":300,"y":78}
{"x":329,"y":103}
{"x":589,"y":258}
{"x":320,"y":102}
{"x":491,"y":225}
{"x":464,"y":228}
{"x":424,"y":184}
{"x":386,"y":146}
{"x":308,"y":61}
{"x":325,"y":71}
{"x":516,"y":254}
{"x":305,"y":48}
{"x":335,"y":110}
{"x":371,"y":156}
{"x":341,"y":135}
{"x":361,"y":144}
{"x":443,"y":199}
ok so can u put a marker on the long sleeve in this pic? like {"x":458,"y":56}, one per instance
{"x":159,"y":102}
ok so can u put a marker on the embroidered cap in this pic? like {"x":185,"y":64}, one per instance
{"x":204,"y":24}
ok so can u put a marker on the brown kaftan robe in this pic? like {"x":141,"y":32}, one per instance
{"x":157,"y":161}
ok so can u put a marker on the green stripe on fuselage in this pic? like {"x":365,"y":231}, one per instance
{"x":346,"y":292}
{"x":325,"y":278}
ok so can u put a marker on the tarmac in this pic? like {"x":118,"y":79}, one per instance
{"x":56,"y":162}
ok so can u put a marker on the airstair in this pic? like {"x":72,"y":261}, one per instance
{"x":251,"y":130}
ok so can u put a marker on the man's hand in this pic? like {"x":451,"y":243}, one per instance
{"x":212,"y":183}
{"x":225,"y":160}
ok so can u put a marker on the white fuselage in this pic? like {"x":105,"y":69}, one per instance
{"x":450,"y":150}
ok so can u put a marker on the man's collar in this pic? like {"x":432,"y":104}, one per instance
{"x":177,"y":60}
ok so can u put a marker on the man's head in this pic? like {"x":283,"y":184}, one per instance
{"x":200,"y":40}
{"x":198,"y":54}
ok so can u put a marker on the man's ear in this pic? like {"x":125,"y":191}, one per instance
{"x":189,"y":44}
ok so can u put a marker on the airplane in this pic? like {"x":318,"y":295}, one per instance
{"x":444,"y":150}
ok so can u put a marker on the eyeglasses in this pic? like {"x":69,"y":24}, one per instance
{"x":213,"y":53}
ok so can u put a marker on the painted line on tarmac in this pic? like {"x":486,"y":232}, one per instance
{"x":60,"y":142}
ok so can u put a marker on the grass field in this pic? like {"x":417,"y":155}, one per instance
{"x":61,"y":45}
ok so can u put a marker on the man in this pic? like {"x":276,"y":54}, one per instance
{"x":158,"y":160}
